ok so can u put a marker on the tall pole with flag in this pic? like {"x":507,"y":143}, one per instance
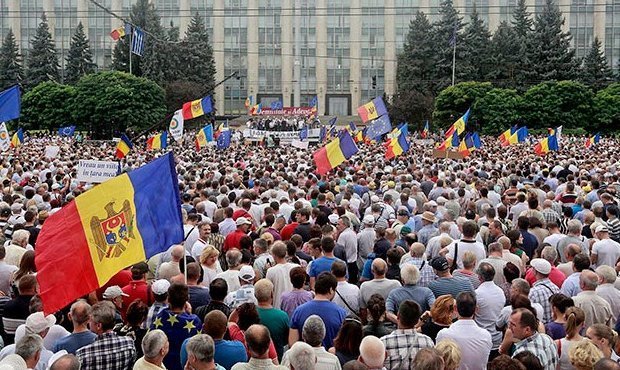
{"x":130,"y":58}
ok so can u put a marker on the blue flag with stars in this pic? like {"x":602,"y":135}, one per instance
{"x":378,"y":127}
{"x":223,"y":141}
{"x":177,"y":328}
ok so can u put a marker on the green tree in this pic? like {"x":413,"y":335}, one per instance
{"x":607,"y":108}
{"x":595,"y":71}
{"x":444,"y":30}
{"x":79,"y":58}
{"x":11,"y":70}
{"x":498,"y":109}
{"x":552,"y":103}
{"x":48,"y":106}
{"x":109,"y":102}
{"x":415,"y":66}
{"x":179,"y":92}
{"x":197,"y":53}
{"x":502,"y":58}
{"x":551,"y":55}
{"x":42,"y":62}
{"x":522,"y":25}
{"x":454,"y":101}
{"x":413,"y":106}
{"x":476,"y":60}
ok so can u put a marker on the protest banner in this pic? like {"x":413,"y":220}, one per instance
{"x":96,"y":171}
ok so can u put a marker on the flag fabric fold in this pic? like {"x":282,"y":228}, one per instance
{"x":334,"y":153}
{"x":158,"y":141}
{"x":10,"y":104}
{"x":204,"y":136}
{"x":303,"y":134}
{"x":223,"y":140}
{"x":378,"y":127}
{"x":425,"y":131}
{"x":123,"y":147}
{"x":593,"y":140}
{"x":398,"y":144}
{"x":121,"y":222}
{"x":117,"y":33}
{"x":459,"y":126}
{"x":372,"y":110}
{"x":197,"y":108}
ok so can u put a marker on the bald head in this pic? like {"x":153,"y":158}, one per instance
{"x":372,"y":352}
{"x":257,"y":339}
{"x":379,"y":267}
{"x":588,"y":280}
{"x":66,"y":362}
{"x":177,"y":252}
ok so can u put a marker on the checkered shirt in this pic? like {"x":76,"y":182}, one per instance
{"x":550,"y":215}
{"x":402,"y":345}
{"x":541,"y":346}
{"x":426,"y":272}
{"x":108,"y":352}
{"x":540,"y":293}
{"x":154,"y":310}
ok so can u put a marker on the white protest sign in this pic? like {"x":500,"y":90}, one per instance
{"x":51,"y":151}
{"x":296,"y":143}
{"x":96,"y":171}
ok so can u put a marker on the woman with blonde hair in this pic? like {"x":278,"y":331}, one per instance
{"x":575,"y":318}
{"x":210,"y":264}
{"x":584,"y":354}
{"x":451,"y":354}
{"x":604,"y":338}
{"x":268,"y":238}
{"x":439,"y":317}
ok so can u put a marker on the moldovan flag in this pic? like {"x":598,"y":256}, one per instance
{"x":18,"y":138}
{"x":114,"y":225}
{"x":204,"y":136}
{"x":159,"y":141}
{"x":372,"y":110}
{"x":334,"y":153}
{"x":459,"y":125}
{"x":123,"y":147}
{"x":197,"y":108}
{"x":593,"y":140}
{"x":116,"y":34}
{"x":398,"y":144}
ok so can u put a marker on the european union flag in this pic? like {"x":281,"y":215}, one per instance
{"x":276,"y":104}
{"x":303,"y":134}
{"x":315,"y":101}
{"x":378,"y":127}
{"x":66,"y":131}
{"x":223,"y":141}
{"x":10,"y":104}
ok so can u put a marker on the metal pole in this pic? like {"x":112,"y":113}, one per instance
{"x":297,"y":69}
{"x":131,"y":43}
{"x":453,"y":62}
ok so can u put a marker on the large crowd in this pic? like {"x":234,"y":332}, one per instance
{"x":503,"y":260}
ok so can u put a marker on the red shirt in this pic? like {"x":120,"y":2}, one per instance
{"x":233,"y":240}
{"x":122,"y":278}
{"x":288,"y":230}
{"x":137,"y":289}
{"x":556,"y":276}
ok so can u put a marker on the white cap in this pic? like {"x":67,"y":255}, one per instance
{"x":369,"y":220}
{"x":243,"y":221}
{"x":113,"y":292}
{"x":38,"y":322}
{"x":160,"y":286}
{"x":333,"y":218}
{"x":246,"y":273}
{"x":601,"y":229}
{"x":541,"y":265}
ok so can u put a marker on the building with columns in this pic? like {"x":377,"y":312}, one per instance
{"x":348,"y":48}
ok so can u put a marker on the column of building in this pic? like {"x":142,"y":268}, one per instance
{"x":15,"y":20}
{"x":218,"y":52}
{"x":288,"y":59}
{"x":389,"y":63}
{"x":356,"y":54}
{"x":321,"y":54}
{"x":185,"y":16}
{"x":252,"y":56}
{"x":600,"y":21}
{"x":83,"y":16}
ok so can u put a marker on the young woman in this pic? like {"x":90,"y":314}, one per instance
{"x":574,"y":318}
{"x":559,"y":304}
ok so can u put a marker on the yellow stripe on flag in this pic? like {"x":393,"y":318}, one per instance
{"x":334,"y":153}
{"x":197,"y":108}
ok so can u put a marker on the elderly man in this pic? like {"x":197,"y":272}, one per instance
{"x":109,"y":351}
{"x":570,"y":252}
{"x":365,"y":240}
{"x":508,"y":256}
{"x":155,"y":347}
{"x":245,"y":293}
{"x":556,"y":276}
{"x":445,"y":282}
{"x":66,"y":362}
{"x":606,"y":289}
{"x":18,"y":246}
{"x":543,"y":288}
{"x":233,"y":239}
{"x":257,"y":340}
{"x":200,"y":353}
{"x":409,"y":291}
{"x":233,"y":260}
{"x":379,"y":284}
{"x":573,"y":237}
{"x":496,"y":260}
{"x":29,"y":348}
{"x":313,"y":333}
{"x":372,"y":353}
{"x":490,"y":300}
{"x":416,"y":258}
{"x":436,"y":243}
{"x":403,"y":343}
{"x":301,"y":356}
{"x":274,"y":319}
{"x":597,"y":310}
{"x":524,"y":327}
{"x":81,"y":336}
{"x":169,"y":269}
{"x":428,"y":229}
{"x":348,"y":239}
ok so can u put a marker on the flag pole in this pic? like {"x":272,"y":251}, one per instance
{"x":131,"y":43}
{"x":453,"y":61}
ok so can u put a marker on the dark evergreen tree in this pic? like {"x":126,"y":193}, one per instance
{"x":445,"y":31}
{"x":476,"y":58}
{"x":79,"y":58}
{"x":595,"y":71}
{"x":522,"y":26}
{"x":503,"y":59}
{"x":198,"y":62}
{"x":11,"y":70}
{"x":415,"y":63}
{"x":551,"y":55}
{"x":42,"y":62}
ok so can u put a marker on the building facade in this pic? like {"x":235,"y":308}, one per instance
{"x":348,"y":48}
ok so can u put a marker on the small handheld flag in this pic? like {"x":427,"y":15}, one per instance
{"x":159,"y":141}
{"x":123,"y":147}
{"x":18,"y":138}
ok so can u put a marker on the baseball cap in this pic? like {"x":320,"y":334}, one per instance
{"x":601,"y":229}
{"x":160,"y":286}
{"x":333,"y":218}
{"x":246,"y":273}
{"x":368,"y":220}
{"x":38,"y":322}
{"x":405,"y":230}
{"x":113,"y":292}
{"x":541,"y":265}
{"x":55,"y":186}
{"x":243,"y":221}
{"x":440,"y":263}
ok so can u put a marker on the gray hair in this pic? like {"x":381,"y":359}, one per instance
{"x":153,"y":342}
{"x":202,"y":347}
{"x":372,"y":351}
{"x":233,"y":258}
{"x":301,"y":356}
{"x":417,"y":249}
{"x":28,"y":346}
{"x":495,"y":247}
{"x":521,"y":285}
{"x":588,"y":279}
{"x":66,"y":362}
{"x":550,"y":254}
{"x":20,"y":236}
{"x":607,"y":274}
{"x":574,"y":226}
{"x":313,"y":331}
{"x":346,"y":221}
{"x":410,"y":274}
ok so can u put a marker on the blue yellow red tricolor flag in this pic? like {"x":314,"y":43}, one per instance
{"x":398,"y":144}
{"x":123,"y":221}
{"x":372,"y":110}
{"x":593,"y":140}
{"x":204,"y":136}
{"x":123,"y":147}
{"x":159,"y":141}
{"x":197,"y":108}
{"x":459,"y":125}
{"x":334,"y":153}
{"x":547,"y":144}
{"x":505,"y":136}
{"x":425,"y":131}
{"x":18,"y":138}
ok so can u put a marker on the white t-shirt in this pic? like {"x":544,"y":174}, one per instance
{"x":475,"y":247}
{"x":279,"y":275}
{"x":608,"y":252}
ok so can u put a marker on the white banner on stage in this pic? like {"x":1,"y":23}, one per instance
{"x":282,"y":135}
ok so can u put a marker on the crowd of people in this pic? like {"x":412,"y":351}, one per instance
{"x":503,"y":260}
{"x":279,"y":123}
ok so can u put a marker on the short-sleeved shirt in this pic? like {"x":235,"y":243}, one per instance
{"x":608,"y":252}
{"x":74,"y":341}
{"x":463,"y":246}
{"x":277,"y":322}
{"x":376,"y":286}
{"x":452,"y":285}
{"x":332,"y":315}
{"x":245,"y":294}
{"x":321,"y":264}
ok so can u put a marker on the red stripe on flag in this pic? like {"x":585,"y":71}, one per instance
{"x":321,"y":160}
{"x":187,"y":111}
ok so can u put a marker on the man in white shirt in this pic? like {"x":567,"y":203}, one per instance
{"x":605,"y":251}
{"x":6,"y":273}
{"x":204,"y":229}
{"x":347,"y":294}
{"x":475,"y":343}
{"x":348,"y":239}
{"x":279,"y":274}
{"x":466,"y":243}
{"x":606,"y":288}
{"x":491,"y":300}
{"x":228,"y":225}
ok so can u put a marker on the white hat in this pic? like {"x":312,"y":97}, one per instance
{"x":369,"y":220}
{"x":55,"y":186}
{"x":13,"y":362}
{"x":333,"y":218}
{"x":541,"y":265}
{"x":160,"y":286}
{"x":113,"y":292}
{"x":246,"y":273}
{"x":601,"y":229}
{"x":374,"y":198}
{"x":243,"y":221}
{"x":55,"y":357}
{"x":38,"y":322}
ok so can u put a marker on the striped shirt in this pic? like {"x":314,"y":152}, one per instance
{"x":450,"y":285}
{"x":613,"y":224}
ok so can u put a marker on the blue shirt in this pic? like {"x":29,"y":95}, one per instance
{"x":530,"y":243}
{"x":366,"y":270}
{"x":421,"y":295}
{"x":74,"y":341}
{"x":227,"y":353}
{"x":199,"y":296}
{"x":332,"y":315}
{"x":322,"y":264}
